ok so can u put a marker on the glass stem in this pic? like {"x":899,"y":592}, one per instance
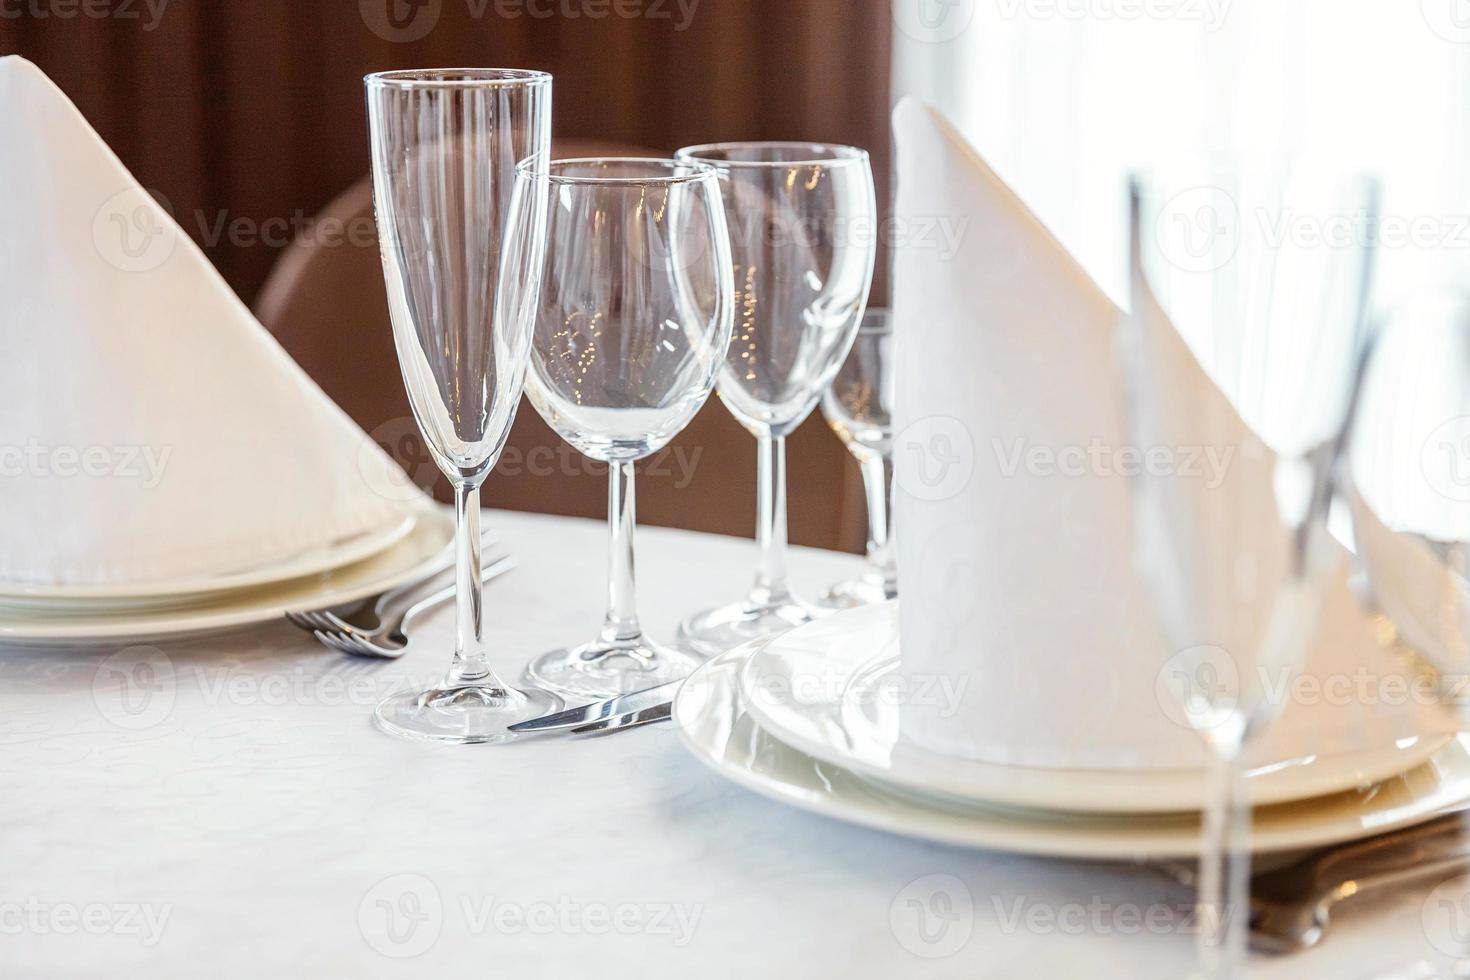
{"x":878,"y":484}
{"x":471,"y":665}
{"x":770,"y":579}
{"x":621,"y":626}
{"x":1224,"y":870}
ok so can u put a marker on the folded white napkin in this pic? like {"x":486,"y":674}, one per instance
{"x":151,"y":430}
{"x":1014,"y":521}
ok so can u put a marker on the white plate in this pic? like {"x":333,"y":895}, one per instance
{"x":334,"y":554}
{"x":715,"y":726}
{"x":425,"y":549}
{"x":820,"y":689}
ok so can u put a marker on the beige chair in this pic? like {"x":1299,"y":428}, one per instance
{"x":326,"y":303}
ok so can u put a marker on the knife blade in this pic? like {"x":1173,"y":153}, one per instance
{"x":648,"y":716}
{"x":623,"y":704}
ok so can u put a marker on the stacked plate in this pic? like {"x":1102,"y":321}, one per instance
{"x":412,"y":546}
{"x":811,"y":718}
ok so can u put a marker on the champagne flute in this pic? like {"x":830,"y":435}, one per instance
{"x":858,"y":406}
{"x":445,"y":143}
{"x":802,"y":220}
{"x":632,"y":322}
{"x":1269,"y":275}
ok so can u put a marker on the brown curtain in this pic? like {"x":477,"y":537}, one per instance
{"x":247,"y":115}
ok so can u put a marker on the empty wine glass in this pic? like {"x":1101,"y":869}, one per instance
{"x":858,"y":406}
{"x":802,"y":222}
{"x":632,"y":321}
{"x":1409,"y":476}
{"x":1265,"y":278}
{"x":445,"y":143}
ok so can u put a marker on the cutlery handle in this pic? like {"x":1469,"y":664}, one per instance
{"x":404,"y":596}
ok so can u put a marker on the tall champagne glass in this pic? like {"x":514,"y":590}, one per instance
{"x":632,"y":321}
{"x":858,"y":405}
{"x":445,"y":143}
{"x":1265,"y":276}
{"x":803,"y":239}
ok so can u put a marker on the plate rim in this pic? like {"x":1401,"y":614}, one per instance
{"x":1016,"y":786}
{"x":1007,"y":830}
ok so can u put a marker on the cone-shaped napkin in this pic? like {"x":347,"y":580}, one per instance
{"x":151,"y":430}
{"x":1014,"y":521}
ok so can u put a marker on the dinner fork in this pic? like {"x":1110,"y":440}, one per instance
{"x":389,"y":639}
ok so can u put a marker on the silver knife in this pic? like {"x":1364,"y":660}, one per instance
{"x":588,"y":714}
{"x":618,"y":723}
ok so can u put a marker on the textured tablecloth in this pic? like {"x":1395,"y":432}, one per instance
{"x":240,"y":817}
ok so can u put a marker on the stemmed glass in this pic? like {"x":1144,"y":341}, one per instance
{"x":858,"y":406}
{"x":802,"y":222}
{"x":1408,"y":476}
{"x":1267,"y":276}
{"x":445,"y":143}
{"x":632,"y":322}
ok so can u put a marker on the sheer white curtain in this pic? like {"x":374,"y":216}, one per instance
{"x":1064,"y":97}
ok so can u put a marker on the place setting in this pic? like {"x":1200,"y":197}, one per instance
{"x":1172,"y":583}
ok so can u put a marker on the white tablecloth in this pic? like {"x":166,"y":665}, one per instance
{"x":242,"y":818}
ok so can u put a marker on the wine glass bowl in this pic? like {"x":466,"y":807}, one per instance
{"x":802,"y":219}
{"x":631,"y":325}
{"x":444,"y":147}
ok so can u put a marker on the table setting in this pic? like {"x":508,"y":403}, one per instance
{"x":1149,"y":667}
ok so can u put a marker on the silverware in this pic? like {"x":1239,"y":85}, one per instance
{"x":1291,"y":907}
{"x":602,"y":712}
{"x":367,"y":613}
{"x":636,"y":719}
{"x":389,"y":640}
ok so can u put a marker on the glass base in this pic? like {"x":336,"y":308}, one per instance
{"x":717,"y":630}
{"x":599,"y":670}
{"x":855,"y":592}
{"x":467,"y":714}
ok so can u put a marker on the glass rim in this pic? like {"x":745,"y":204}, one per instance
{"x":837,"y":154}
{"x":410,"y":78}
{"x":531,"y":167}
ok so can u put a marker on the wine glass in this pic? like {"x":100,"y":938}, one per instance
{"x":445,"y":143}
{"x":632,"y":322}
{"x":1408,"y":476}
{"x":802,"y":220}
{"x":858,"y":406}
{"x":1265,"y":277}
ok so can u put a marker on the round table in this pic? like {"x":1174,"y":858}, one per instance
{"x":235,"y":814}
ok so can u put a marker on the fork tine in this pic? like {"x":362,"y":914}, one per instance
{"x":333,"y":640}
